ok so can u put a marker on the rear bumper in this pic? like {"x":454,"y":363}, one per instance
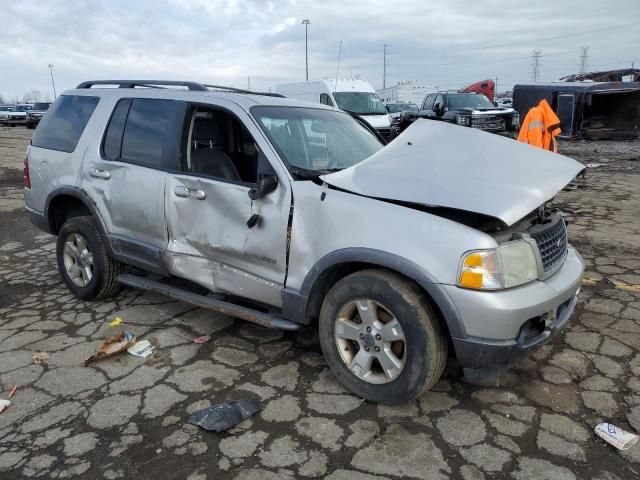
{"x":528,"y":315}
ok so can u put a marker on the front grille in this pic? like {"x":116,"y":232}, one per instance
{"x":488,"y":122}
{"x":552,"y":243}
{"x":385,"y":133}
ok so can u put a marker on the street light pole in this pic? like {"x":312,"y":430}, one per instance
{"x":52,"y":81}
{"x":306,"y":23}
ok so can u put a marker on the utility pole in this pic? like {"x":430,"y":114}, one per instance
{"x":249,"y":83}
{"x":52,"y":81}
{"x":306,"y":23}
{"x":384,"y":65}
{"x":495,"y":88}
{"x":584,"y":56}
{"x":537,"y":55}
{"x":338,"y":67}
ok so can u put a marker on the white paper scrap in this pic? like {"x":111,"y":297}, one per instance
{"x":619,"y":438}
{"x":142,"y":349}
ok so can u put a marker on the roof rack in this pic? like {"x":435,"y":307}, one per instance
{"x":191,"y":86}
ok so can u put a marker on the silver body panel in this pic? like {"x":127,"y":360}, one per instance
{"x":499,"y":315}
{"x":204,"y":237}
{"x":438,"y":164}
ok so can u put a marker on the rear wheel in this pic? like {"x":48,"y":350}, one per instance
{"x":83,"y":261}
{"x":381,"y":338}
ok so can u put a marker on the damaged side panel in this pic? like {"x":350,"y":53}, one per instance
{"x":210,"y":243}
{"x":347,"y":221}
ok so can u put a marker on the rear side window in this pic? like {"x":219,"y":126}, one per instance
{"x":146,"y":129}
{"x":143,"y":131}
{"x":113,"y":137}
{"x":62,"y":126}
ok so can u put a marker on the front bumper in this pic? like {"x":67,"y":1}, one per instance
{"x":504,"y":325}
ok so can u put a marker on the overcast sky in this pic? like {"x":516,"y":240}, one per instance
{"x":449,"y":43}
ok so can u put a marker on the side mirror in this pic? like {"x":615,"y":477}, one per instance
{"x":437,"y":107}
{"x":264,"y":186}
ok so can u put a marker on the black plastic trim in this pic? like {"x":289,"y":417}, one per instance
{"x":139,"y":254}
{"x":392,"y":262}
{"x":40,"y":221}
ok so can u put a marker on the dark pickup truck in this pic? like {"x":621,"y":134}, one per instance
{"x":470,"y":110}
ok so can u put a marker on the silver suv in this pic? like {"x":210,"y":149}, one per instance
{"x":286,"y":214}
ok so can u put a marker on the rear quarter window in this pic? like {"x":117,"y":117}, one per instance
{"x":62,"y":126}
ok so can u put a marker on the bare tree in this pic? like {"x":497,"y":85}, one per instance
{"x":3,"y":100}
{"x":32,"y":96}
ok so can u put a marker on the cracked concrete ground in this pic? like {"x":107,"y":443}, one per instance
{"x":126,"y":417}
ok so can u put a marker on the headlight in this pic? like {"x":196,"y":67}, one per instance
{"x":511,"y":264}
{"x":463,"y":120}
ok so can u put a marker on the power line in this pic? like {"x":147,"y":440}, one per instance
{"x":534,"y":40}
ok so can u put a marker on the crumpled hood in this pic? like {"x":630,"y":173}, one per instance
{"x":439,"y":164}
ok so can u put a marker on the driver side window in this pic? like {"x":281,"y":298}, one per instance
{"x":220,"y":146}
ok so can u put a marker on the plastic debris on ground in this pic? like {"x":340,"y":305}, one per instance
{"x":202,"y":339}
{"x":225,"y":415}
{"x":13,"y":391}
{"x":112,"y":345}
{"x":141,"y":349}
{"x":4,"y":404}
{"x":619,"y":438}
{"x":39,"y":357}
{"x":115,"y":322}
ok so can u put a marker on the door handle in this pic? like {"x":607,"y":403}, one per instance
{"x":101,"y":174}
{"x":193,"y":194}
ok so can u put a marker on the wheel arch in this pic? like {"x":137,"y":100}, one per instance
{"x":304,"y":305}
{"x":68,"y":202}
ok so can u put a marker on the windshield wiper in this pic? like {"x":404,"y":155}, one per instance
{"x":306,"y":174}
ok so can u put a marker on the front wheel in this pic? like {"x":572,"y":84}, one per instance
{"x":83,"y":261}
{"x":381,"y":338}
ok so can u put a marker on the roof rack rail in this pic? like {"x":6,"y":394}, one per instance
{"x":192,"y":86}
{"x":241,"y":90}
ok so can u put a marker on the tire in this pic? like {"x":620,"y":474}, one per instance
{"x":104,"y":270}
{"x":422,"y":352}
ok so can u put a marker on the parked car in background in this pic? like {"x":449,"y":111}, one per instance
{"x":35,"y":114}
{"x":295,"y":214}
{"x":351,"y":95}
{"x":504,"y":102}
{"x":17,"y":115}
{"x":473,"y":110}
{"x":402,"y":114}
{"x":5,"y":110}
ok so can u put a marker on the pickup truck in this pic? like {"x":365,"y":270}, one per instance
{"x":470,"y":110}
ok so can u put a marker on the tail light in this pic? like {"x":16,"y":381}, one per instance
{"x":27,"y":179}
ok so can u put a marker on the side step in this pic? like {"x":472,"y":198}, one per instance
{"x":226,"y":308}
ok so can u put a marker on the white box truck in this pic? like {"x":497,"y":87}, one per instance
{"x":352,"y":95}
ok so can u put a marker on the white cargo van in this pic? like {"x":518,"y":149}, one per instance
{"x":352,"y":95}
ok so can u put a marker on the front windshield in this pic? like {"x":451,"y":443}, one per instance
{"x":469,"y":100}
{"x":41,"y":106}
{"x":5,"y":109}
{"x":312,"y":141}
{"x":362,"y":103}
{"x":22,"y":108}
